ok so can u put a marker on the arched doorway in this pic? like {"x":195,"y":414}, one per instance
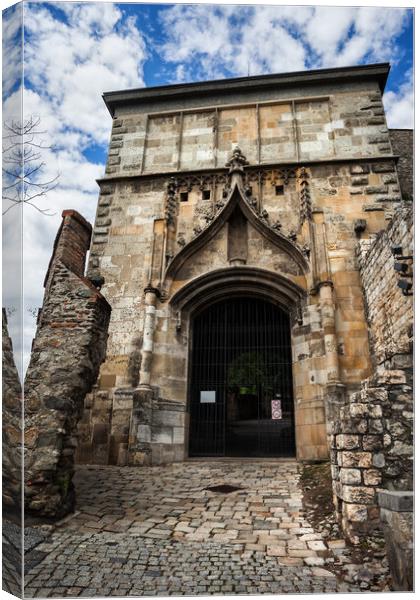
{"x":241,"y":388}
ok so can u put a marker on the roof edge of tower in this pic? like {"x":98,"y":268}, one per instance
{"x":376,"y":71}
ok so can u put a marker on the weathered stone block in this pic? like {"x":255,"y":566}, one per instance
{"x":372,"y":477}
{"x":356,"y":459}
{"x":359,"y":181}
{"x":378,"y":460}
{"x":383,"y":167}
{"x":355,"y":512}
{"x":347,"y":441}
{"x":359,"y":168}
{"x":359,"y":410}
{"x":350,"y":476}
{"x":168,"y":418}
{"x":372,"y":442}
{"x":358,"y":494}
{"x":391,"y":377}
{"x":375,"y":426}
{"x":353,"y":425}
{"x":376,"y":189}
{"x":398,"y":529}
{"x":162,"y":435}
{"x":376,"y":121}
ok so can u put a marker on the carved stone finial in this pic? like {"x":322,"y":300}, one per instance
{"x":264,"y":215}
{"x":171,"y":204}
{"x":306,"y":250}
{"x":305,"y":197}
{"x":237,"y":161}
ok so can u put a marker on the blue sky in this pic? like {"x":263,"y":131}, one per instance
{"x":75,"y":51}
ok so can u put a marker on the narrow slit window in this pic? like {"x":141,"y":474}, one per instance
{"x":183,"y":196}
{"x":279,"y":190}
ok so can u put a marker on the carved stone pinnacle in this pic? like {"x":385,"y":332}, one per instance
{"x":237,"y":161}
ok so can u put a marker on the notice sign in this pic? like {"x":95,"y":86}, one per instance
{"x":208,"y":397}
{"x":276,"y":409}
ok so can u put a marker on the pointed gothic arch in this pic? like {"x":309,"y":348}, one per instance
{"x":237,"y":200}
{"x":238,"y":280}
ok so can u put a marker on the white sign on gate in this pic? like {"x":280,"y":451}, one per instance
{"x":276,"y":412}
{"x":207,"y":397}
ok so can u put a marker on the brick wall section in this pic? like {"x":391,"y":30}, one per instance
{"x":12,"y":419}
{"x":71,"y":244}
{"x":371,"y":434}
{"x":402,"y":145}
{"x":68,"y":349}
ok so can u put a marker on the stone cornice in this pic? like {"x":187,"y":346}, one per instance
{"x":375,"y":72}
{"x":252,"y":167}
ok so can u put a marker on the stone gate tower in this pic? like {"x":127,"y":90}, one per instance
{"x":226,"y":233}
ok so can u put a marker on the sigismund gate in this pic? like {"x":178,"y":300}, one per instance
{"x":226,"y":233}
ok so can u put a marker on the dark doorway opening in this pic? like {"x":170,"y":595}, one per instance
{"x":241,"y":389}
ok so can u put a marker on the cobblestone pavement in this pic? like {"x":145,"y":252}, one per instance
{"x":159,"y":531}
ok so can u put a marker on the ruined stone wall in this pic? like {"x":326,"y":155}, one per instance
{"x":67,"y":351}
{"x":402,"y":143}
{"x":372,"y":434}
{"x":390,"y":318}
{"x":12,"y":424}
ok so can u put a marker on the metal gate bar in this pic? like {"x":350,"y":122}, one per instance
{"x":241,"y":390}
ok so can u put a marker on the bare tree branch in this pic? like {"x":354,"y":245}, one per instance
{"x":23,"y":165}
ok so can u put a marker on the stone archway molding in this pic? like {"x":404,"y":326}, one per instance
{"x":223,"y":282}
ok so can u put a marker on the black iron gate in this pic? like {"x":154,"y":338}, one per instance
{"x":241,"y":391}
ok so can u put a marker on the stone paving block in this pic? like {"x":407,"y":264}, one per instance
{"x":313,"y":561}
{"x":317,"y":545}
{"x":287,"y":561}
{"x":175,"y":539}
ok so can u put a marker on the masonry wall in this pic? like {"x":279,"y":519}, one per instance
{"x":67,"y":351}
{"x":390,"y":318}
{"x":402,"y":143}
{"x":372,"y":432}
{"x":12,"y":424}
{"x":166,"y":181}
{"x":308,"y":123}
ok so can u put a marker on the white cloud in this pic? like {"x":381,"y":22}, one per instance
{"x":374,"y":33}
{"x":399,"y":106}
{"x":68,"y":65}
{"x":12,"y":49}
{"x":96,"y":51}
{"x":212,"y":40}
